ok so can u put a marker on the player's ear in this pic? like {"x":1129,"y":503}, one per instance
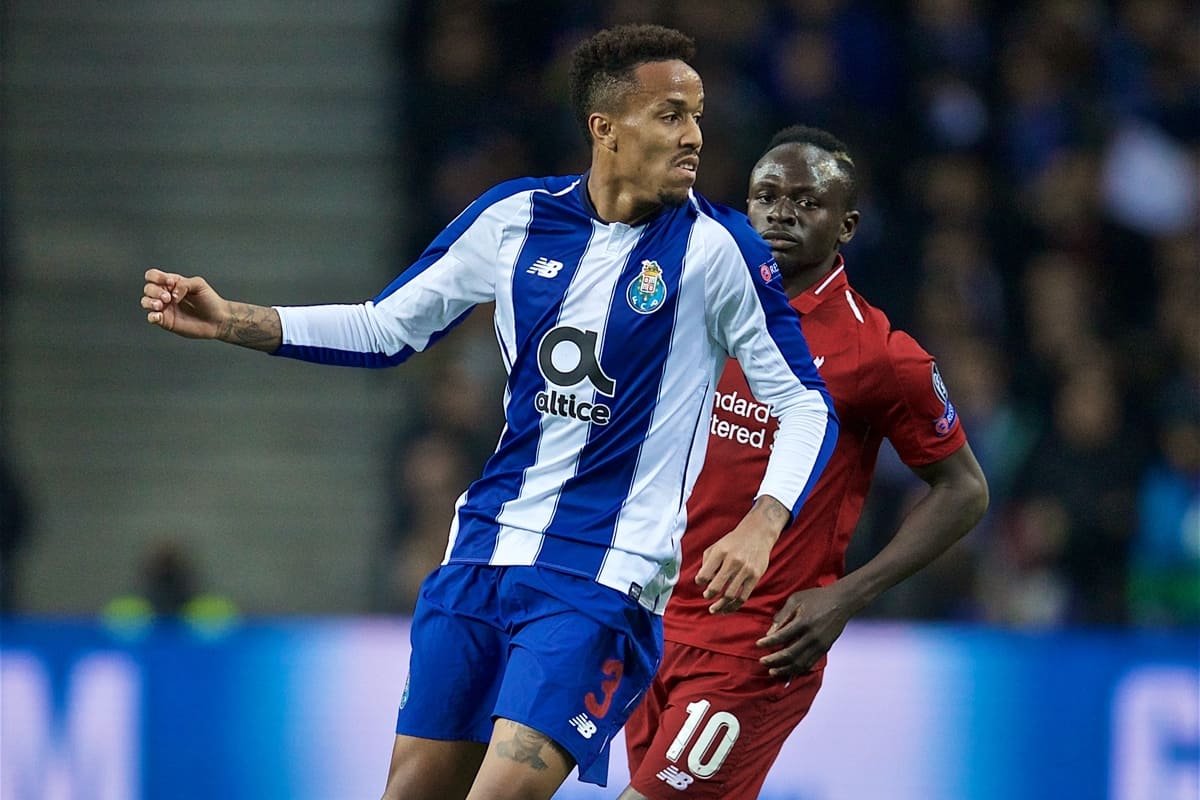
{"x":602,"y":130}
{"x":849,"y":226}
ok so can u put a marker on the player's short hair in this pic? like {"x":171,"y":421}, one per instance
{"x":823,"y":140}
{"x":602,"y":65}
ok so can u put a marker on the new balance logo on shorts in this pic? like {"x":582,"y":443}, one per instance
{"x":584,"y":725}
{"x":675,"y":778}
{"x":545,"y":268}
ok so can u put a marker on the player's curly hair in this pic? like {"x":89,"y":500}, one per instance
{"x":823,"y":140}
{"x":602,"y":66}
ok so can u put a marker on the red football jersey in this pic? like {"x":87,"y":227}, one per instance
{"x":883,"y":384}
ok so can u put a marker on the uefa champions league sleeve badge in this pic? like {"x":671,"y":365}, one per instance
{"x":945,"y":423}
{"x":647,"y":291}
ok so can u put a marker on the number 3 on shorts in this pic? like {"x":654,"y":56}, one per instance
{"x":721,"y":724}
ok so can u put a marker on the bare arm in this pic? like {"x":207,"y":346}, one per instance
{"x":256,"y":327}
{"x":734,"y":563}
{"x":811,"y":620}
{"x":190,"y":307}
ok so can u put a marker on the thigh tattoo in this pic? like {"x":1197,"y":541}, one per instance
{"x":524,"y":746}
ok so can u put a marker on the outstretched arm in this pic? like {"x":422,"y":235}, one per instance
{"x":811,"y":620}
{"x":190,"y":307}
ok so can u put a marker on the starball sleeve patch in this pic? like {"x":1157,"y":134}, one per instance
{"x":945,"y":423}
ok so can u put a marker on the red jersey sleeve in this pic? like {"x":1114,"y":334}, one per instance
{"x":913,"y":409}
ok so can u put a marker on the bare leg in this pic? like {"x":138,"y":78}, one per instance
{"x":631,"y":793}
{"x":521,"y":764}
{"x":431,"y":769}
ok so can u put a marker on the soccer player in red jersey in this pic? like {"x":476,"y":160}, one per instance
{"x":731,"y":689}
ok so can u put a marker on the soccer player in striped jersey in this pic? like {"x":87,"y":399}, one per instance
{"x":731,"y":690}
{"x":619,"y":295}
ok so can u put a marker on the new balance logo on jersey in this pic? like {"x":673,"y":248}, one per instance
{"x":584,"y":725}
{"x":545,"y":268}
{"x":675,"y":778}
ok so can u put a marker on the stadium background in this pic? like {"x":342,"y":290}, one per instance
{"x":1030,"y":214}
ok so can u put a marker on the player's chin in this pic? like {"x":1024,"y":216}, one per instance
{"x":674,"y":197}
{"x":787,"y":261}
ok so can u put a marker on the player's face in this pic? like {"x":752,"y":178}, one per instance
{"x":797,"y":203}
{"x":658,"y":135}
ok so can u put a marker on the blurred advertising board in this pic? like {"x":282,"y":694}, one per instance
{"x":305,"y":709}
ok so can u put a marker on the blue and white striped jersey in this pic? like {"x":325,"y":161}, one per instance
{"x":613,"y":337}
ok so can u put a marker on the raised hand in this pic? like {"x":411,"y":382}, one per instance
{"x":192,"y":308}
{"x":186,"y":306}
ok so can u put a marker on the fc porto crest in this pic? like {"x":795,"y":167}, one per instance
{"x":647,"y":291}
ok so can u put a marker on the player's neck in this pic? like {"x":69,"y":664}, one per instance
{"x":616,"y":201}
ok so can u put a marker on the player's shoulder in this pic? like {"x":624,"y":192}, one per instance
{"x":490,"y":209}
{"x":851,"y":314}
{"x":732,"y":227}
{"x":520,"y":186}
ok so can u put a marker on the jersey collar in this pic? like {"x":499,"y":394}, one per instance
{"x":832,"y":285}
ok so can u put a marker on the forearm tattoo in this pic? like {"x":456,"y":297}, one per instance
{"x":256,"y":327}
{"x":774,"y":511}
{"x":524,"y":746}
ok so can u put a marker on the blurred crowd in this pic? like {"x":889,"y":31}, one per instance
{"x":1031,"y":213}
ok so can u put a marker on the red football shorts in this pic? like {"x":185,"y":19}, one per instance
{"x":712,"y":724}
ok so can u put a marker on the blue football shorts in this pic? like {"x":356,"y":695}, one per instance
{"x":556,"y":652}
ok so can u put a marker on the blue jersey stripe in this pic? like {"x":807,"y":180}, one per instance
{"x":342,"y":358}
{"x":823,"y":456}
{"x":353,"y":358}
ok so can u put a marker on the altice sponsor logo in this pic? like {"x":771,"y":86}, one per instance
{"x":567,"y":357}
{"x":568,"y":405}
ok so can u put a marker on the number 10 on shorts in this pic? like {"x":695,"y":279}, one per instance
{"x":722,"y":728}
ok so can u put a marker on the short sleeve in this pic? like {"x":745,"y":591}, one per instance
{"x":915,"y":411}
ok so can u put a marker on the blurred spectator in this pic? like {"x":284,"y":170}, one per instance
{"x":14,"y":531}
{"x":1003,"y":428}
{"x":170,"y":591}
{"x":949,"y":45}
{"x":1082,"y":474}
{"x":1151,"y":65}
{"x":1164,"y":584}
{"x":1038,"y":118}
{"x":434,"y":466}
{"x":1149,"y":181}
{"x":1023,"y":582}
{"x":442,"y":447}
{"x":1177,"y":323}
